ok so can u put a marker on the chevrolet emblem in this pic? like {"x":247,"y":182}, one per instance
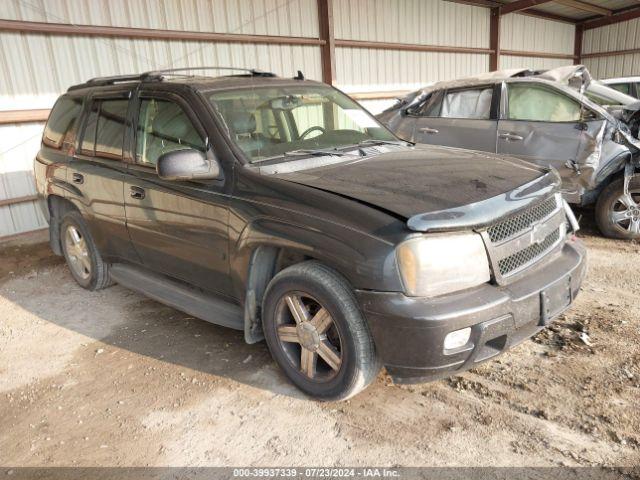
{"x":537,"y":234}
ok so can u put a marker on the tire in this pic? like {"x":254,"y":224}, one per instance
{"x":346,"y":338}
{"x":89,"y":270}
{"x":610,"y":205}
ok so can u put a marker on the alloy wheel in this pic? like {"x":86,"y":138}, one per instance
{"x":308,"y":336}
{"x":625,"y":212}
{"x":77,"y":252}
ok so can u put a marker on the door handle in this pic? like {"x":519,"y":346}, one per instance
{"x":136,"y":192}
{"x":511,"y":137}
{"x":77,"y":178}
{"x":428,"y":130}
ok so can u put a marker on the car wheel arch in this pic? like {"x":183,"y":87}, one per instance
{"x":266,"y":247}
{"x":58,"y":207}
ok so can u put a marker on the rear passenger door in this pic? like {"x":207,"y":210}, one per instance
{"x":96,"y":173}
{"x":179,"y":228}
{"x":463,"y":117}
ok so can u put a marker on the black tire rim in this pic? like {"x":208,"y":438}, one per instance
{"x":625,"y":212}
{"x":308,"y":337}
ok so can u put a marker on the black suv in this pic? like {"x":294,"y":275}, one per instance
{"x":282,"y":208}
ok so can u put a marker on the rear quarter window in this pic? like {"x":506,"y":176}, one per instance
{"x":60,"y":129}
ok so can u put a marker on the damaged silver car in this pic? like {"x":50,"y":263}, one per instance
{"x":548,"y":118}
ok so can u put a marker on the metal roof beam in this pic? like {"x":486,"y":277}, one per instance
{"x":618,"y":16}
{"x":529,"y":12}
{"x":519,"y":5}
{"x":585,"y":7}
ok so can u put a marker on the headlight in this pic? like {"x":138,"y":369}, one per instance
{"x":435,"y":264}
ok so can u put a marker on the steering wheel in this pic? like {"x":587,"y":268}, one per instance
{"x":311,"y":129}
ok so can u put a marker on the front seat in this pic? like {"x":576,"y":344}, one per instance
{"x":244,"y":125}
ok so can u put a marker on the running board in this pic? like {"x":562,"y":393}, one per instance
{"x":179,"y":296}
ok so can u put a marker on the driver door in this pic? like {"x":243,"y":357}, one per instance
{"x":179,"y":228}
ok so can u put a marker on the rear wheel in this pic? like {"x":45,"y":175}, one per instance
{"x":316,"y":333}
{"x":617,"y":214}
{"x":81,"y":254}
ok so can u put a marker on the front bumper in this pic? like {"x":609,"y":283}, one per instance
{"x":409,"y":332}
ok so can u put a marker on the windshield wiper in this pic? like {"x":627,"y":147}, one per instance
{"x":373,"y":141}
{"x":304,"y":151}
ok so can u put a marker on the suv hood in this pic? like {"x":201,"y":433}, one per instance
{"x":422,"y":180}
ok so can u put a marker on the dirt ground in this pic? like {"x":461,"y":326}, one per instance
{"x":111,"y":378}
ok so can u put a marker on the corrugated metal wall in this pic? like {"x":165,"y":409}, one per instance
{"x":261,"y":17}
{"x":18,"y":144}
{"x":620,"y":36}
{"x":422,"y":22}
{"x":535,"y":63}
{"x":37,"y":68}
{"x":525,"y":33}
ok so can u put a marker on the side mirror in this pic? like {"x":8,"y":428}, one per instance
{"x":188,"y":164}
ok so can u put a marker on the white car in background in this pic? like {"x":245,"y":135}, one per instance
{"x":628,"y":85}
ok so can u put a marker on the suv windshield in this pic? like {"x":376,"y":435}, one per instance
{"x":268,"y":122}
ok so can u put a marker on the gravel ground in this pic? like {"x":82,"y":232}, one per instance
{"x":111,"y":378}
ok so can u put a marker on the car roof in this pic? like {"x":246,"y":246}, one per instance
{"x":162,"y":79}
{"x":621,"y":80}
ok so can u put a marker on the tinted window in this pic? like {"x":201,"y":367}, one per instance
{"x":110,"y":128}
{"x":164,"y":127}
{"x":467,"y":104}
{"x":540,"y":104}
{"x":60,"y":128}
{"x":89,"y":136}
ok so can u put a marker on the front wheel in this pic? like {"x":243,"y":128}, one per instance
{"x":617,"y":214}
{"x":316,"y":333}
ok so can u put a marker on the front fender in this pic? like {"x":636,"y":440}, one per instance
{"x":365,"y":261}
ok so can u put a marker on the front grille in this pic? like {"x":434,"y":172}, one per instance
{"x":522,"y":221}
{"x":527,"y":255}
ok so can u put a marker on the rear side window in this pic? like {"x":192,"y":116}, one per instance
{"x":110,"y":129}
{"x":60,"y":128}
{"x":540,"y":104}
{"x":89,"y":137}
{"x":474,"y":104}
{"x":105,"y":128}
{"x":622,"y":87}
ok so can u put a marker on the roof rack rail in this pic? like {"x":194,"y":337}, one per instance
{"x":159,"y":74}
{"x":251,"y":71}
{"x":102,"y":81}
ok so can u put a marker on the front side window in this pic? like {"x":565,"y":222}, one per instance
{"x":268,"y":122}
{"x":541,"y":104}
{"x":474,"y":104}
{"x":429,"y":107}
{"x":164,"y":127}
{"x":60,"y":128}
